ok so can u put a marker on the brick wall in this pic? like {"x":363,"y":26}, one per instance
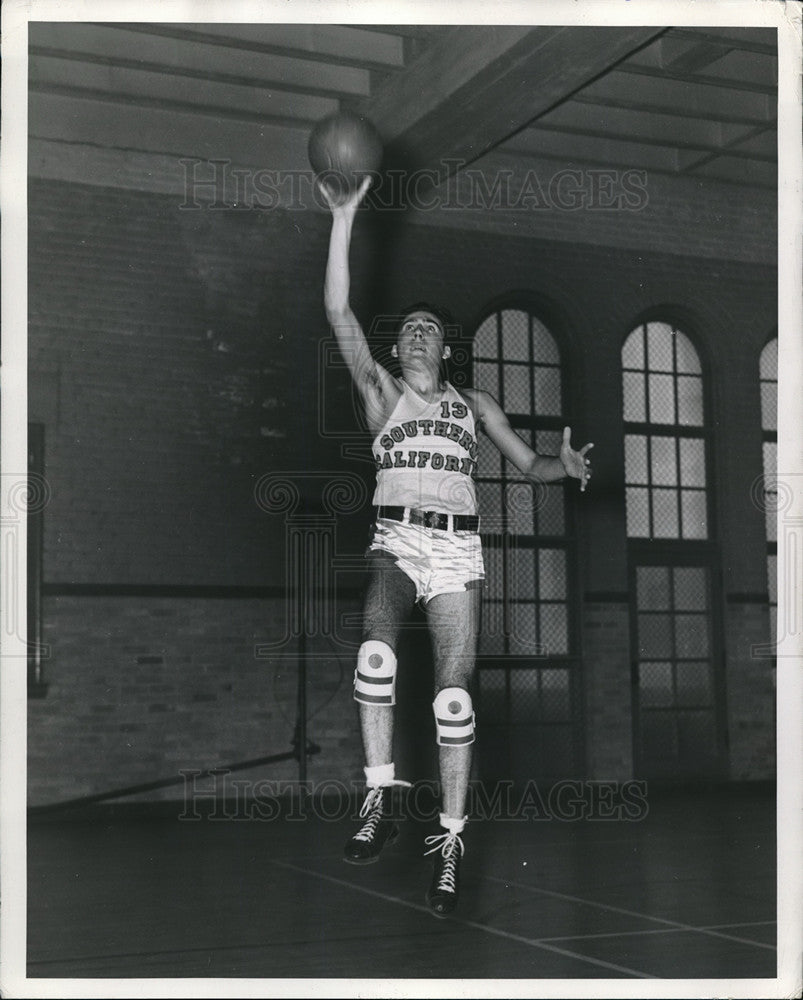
{"x":143,"y":689}
{"x":607,"y":688}
{"x":750,"y":702}
{"x":175,"y":360}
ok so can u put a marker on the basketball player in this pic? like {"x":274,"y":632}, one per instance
{"x":425,"y":547}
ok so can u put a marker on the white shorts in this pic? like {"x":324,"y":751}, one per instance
{"x":438,"y":562}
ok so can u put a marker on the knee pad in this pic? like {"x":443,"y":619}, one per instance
{"x":454,"y":717}
{"x":375,"y":676}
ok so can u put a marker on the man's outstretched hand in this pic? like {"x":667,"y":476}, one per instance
{"x":575,"y":462}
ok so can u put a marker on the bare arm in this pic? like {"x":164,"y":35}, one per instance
{"x":537,"y":468}
{"x":377,"y":387}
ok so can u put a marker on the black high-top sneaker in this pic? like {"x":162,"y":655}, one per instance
{"x":444,"y":888}
{"x":377,"y":830}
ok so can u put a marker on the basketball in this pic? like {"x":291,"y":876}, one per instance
{"x":342,"y":149}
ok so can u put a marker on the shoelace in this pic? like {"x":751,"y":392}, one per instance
{"x":372,"y":807}
{"x":451,"y":847}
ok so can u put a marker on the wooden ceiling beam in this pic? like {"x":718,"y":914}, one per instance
{"x":343,"y":85}
{"x":264,"y":39}
{"x":748,"y":39}
{"x":637,"y":89}
{"x":477,"y":85}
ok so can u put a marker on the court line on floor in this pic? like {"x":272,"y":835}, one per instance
{"x":657,"y":930}
{"x":679,"y":925}
{"x":475,"y":925}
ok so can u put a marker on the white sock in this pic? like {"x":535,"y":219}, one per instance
{"x":451,"y":824}
{"x":382,"y":774}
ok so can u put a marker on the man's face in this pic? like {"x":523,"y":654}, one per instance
{"x":420,"y":339}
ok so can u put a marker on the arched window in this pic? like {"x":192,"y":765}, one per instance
{"x":768,"y":373}
{"x":527,"y":686}
{"x":665,"y":461}
{"x":677,"y":710}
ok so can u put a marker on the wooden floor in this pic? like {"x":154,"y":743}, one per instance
{"x":688,"y":891}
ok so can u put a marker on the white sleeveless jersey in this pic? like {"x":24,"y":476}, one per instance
{"x":426,"y":454}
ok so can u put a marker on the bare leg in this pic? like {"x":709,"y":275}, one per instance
{"x":389,"y":600}
{"x":453,"y":622}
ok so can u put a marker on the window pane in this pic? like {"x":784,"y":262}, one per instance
{"x":662,"y":399}
{"x":692,"y":462}
{"x":547,"y":392}
{"x":489,"y":500}
{"x":771,"y":518}
{"x":772,"y":581}
{"x":523,"y":637}
{"x":655,"y":684}
{"x":636,"y":459}
{"x":489,"y":460}
{"x":654,"y":636}
{"x":770,"y":456}
{"x":515,"y":335}
{"x":545,"y":350}
{"x":633,"y":350}
{"x":694,"y":514}
{"x":688,"y":362}
{"x":555,"y":696}
{"x":520,"y":506}
{"x":633,"y":388}
{"x":693,"y":684}
{"x":691,"y":635}
{"x":690,"y":401}
{"x":652,"y":588}
{"x":551,"y":515}
{"x":551,"y":574}
{"x":554,"y":630}
{"x":638,"y":512}
{"x":769,"y":360}
{"x":659,"y":347}
{"x":492,"y":695}
{"x":663,"y":461}
{"x":492,"y":634}
{"x":521,"y":572}
{"x":524,"y":700}
{"x":486,"y":377}
{"x":492,"y":555}
{"x":665,"y":514}
{"x":517,"y":388}
{"x":690,"y":588}
{"x":548,"y":442}
{"x":485,"y":341}
{"x":769,"y":406}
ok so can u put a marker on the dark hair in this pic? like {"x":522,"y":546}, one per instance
{"x":442,"y":315}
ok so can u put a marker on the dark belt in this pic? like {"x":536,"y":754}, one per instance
{"x":430,"y":518}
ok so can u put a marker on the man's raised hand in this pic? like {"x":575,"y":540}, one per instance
{"x":348,"y":205}
{"x":575,"y":462}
